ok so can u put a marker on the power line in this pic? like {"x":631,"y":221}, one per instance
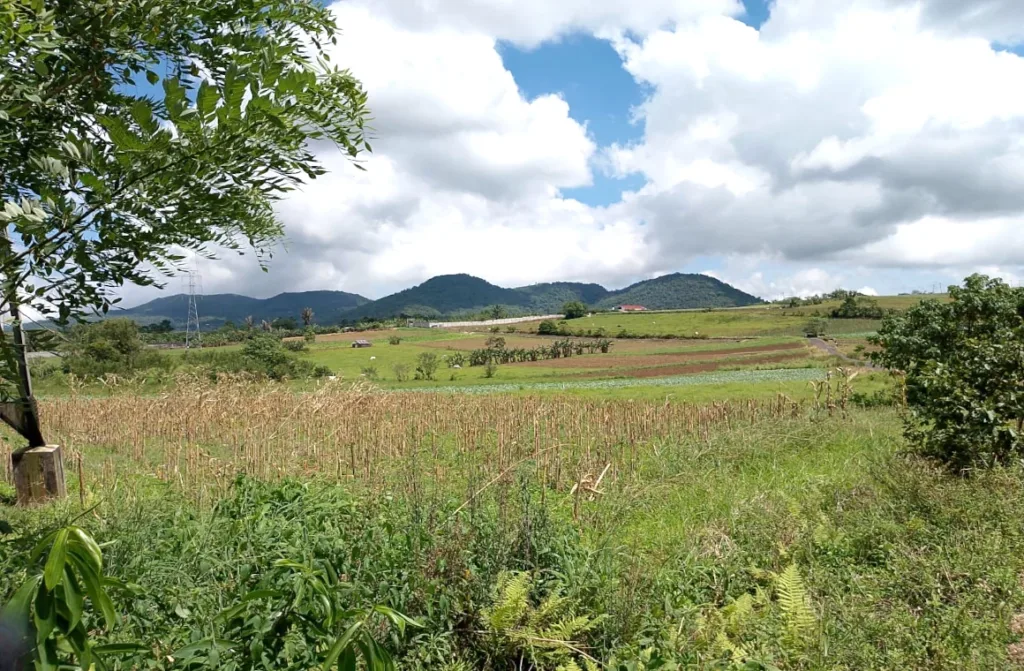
{"x":193,"y":338}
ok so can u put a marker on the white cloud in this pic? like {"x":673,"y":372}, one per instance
{"x":843,"y":141}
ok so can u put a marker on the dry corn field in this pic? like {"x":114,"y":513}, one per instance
{"x":200,"y":435}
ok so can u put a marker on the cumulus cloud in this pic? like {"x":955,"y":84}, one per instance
{"x":840,"y":144}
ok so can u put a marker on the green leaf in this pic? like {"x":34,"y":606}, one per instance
{"x":55,"y":562}
{"x":73,"y":598}
{"x":83,"y":545}
{"x":45,"y":615}
{"x":119,"y":648}
{"x":152,"y":77}
{"x":341,"y":645}
{"x":20,"y":604}
{"x":203,"y":645}
{"x":207,"y":99}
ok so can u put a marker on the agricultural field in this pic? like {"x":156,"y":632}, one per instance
{"x":743,"y":501}
{"x":642,"y":534}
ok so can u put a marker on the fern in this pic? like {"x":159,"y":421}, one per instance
{"x":736,"y":651}
{"x":795,"y":604}
{"x":547,"y":634}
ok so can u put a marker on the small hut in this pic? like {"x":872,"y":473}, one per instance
{"x":362,"y":343}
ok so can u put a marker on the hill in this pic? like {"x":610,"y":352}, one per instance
{"x":549,"y":297}
{"x":679,"y":291}
{"x":215,"y":309}
{"x":441,"y":296}
{"x":447,"y":296}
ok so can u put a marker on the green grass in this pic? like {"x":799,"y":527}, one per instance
{"x":897,"y":565}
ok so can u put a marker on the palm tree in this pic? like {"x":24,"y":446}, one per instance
{"x":307,"y":316}
{"x":265,"y":325}
{"x":249,"y":322}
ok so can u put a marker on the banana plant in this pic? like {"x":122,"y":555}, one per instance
{"x":50,"y":607}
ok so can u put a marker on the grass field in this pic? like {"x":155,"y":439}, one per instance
{"x":732,"y":535}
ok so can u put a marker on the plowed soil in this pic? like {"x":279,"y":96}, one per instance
{"x":613,"y":360}
{"x":691,"y":369}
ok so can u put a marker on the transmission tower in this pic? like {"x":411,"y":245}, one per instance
{"x":192,"y":335}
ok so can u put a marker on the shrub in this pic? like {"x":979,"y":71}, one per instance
{"x":309,"y":335}
{"x":961,"y":363}
{"x":490,"y":368}
{"x":426,"y":366}
{"x":395,"y":340}
{"x":510,"y":329}
{"x":370,"y":372}
{"x":321,"y":370}
{"x":495,"y":329}
{"x":547,"y":327}
{"x":401,"y":371}
{"x":456,"y":359}
{"x":295,"y":345}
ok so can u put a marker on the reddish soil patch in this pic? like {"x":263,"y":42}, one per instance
{"x":692,"y":369}
{"x":644,"y":360}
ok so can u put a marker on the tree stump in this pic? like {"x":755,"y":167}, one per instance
{"x":39,"y":474}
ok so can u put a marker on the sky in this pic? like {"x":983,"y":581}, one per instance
{"x":787,"y":147}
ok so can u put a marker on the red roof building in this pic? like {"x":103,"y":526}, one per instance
{"x":629,"y":308}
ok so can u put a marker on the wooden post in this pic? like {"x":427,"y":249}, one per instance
{"x":39,"y":474}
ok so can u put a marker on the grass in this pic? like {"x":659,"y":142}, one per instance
{"x":768,"y":533}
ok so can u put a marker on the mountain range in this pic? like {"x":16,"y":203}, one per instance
{"x":447,"y":296}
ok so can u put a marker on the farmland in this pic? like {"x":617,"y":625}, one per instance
{"x":735,"y":501}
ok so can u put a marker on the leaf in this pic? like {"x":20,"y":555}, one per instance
{"x":341,"y":645}
{"x":54,"y":571}
{"x":206,"y":100}
{"x":262,"y":594}
{"x":20,"y":604}
{"x":152,"y":77}
{"x":73,"y":598}
{"x":202,"y":646}
{"x":119,"y":648}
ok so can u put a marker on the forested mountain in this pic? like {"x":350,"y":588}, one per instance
{"x":442,"y":295}
{"x":549,"y":297}
{"x":678,"y":291}
{"x":215,"y":309}
{"x":447,"y":296}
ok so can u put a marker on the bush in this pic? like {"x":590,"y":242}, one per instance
{"x":370,"y":373}
{"x":309,"y":335}
{"x":395,"y":340}
{"x":495,"y":329}
{"x":510,"y":329}
{"x":490,"y":368}
{"x":321,"y":370}
{"x":961,"y":363}
{"x":401,"y":371}
{"x":547,"y":327}
{"x":426,"y":366}
{"x":295,"y":345}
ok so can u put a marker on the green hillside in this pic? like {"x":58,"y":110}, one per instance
{"x":441,"y":296}
{"x":549,"y":297}
{"x":215,"y":309}
{"x":679,"y":292}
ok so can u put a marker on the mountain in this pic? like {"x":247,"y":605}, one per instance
{"x":442,"y":295}
{"x":678,"y":291}
{"x":549,"y":297}
{"x":215,"y":309}
{"x":446,"y":296}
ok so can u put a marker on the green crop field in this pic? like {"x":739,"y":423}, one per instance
{"x":742,"y":501}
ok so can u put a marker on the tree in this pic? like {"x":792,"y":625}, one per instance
{"x":963,"y":366}
{"x":307,"y":316}
{"x":547,"y":327}
{"x":497,"y":312}
{"x":249,"y":322}
{"x":574,"y":310}
{"x":104,"y":183}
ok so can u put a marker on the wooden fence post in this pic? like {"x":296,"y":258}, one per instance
{"x":39,"y":474}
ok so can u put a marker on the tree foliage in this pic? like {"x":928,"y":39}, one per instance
{"x":135,"y":131}
{"x":574,"y":310}
{"x":963,"y":363}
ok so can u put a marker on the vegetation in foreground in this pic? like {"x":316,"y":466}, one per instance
{"x":764,"y":536}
